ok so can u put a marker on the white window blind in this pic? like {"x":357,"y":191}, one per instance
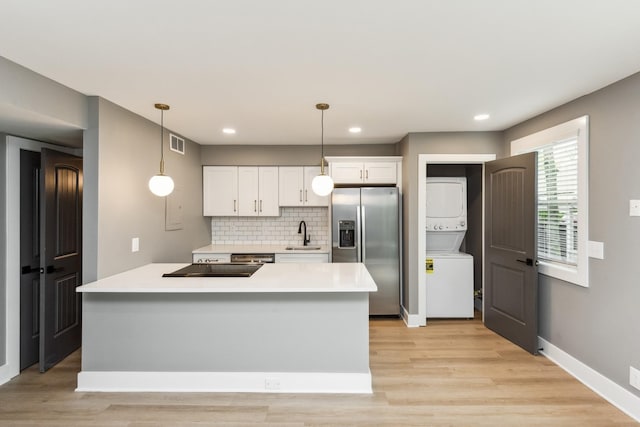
{"x":558,"y":201}
{"x":563,"y":198}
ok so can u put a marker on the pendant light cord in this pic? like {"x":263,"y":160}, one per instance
{"x":322,"y":142}
{"x":161,"y":142}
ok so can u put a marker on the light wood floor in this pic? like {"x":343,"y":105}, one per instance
{"x":451,"y":373}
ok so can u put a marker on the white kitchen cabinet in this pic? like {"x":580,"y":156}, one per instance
{"x":295,"y":186}
{"x":240,"y":191}
{"x":210,"y":258}
{"x":258,"y":191}
{"x":220,"y":191}
{"x":268,"y":203}
{"x":364,"y":172}
{"x":303,"y":258}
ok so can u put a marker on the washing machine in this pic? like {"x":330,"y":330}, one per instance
{"x":449,"y":285}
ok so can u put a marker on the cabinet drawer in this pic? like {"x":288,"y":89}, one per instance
{"x":204,"y":258}
{"x":316,"y":258}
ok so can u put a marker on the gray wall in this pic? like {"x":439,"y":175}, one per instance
{"x":431,"y":143}
{"x":37,"y":107}
{"x":599,"y":325}
{"x":286,"y":155}
{"x":122,"y":151}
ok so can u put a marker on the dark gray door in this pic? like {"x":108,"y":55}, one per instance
{"x":29,"y":258}
{"x":60,"y":321}
{"x":511,"y":275}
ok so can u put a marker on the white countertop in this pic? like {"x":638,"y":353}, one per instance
{"x":285,"y":277}
{"x":256,"y":249}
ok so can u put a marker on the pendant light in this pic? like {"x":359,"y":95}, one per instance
{"x":161,"y":185}
{"x":322,"y":184}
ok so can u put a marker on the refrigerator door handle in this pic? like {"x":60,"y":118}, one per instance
{"x":363,"y":249}
{"x":358,"y":233}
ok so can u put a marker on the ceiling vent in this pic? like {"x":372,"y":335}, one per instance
{"x":176,"y":144}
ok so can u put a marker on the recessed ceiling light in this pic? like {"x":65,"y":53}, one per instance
{"x":480,"y":117}
{"x":229,"y":131}
{"x":355,"y":129}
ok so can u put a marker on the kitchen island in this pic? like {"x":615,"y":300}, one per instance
{"x":287,"y":328}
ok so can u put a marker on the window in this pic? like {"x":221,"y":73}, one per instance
{"x":562,"y":198}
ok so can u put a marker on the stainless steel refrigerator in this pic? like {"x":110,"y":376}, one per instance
{"x":366,"y":228}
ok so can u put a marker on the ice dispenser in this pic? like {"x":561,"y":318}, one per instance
{"x":347,"y":231}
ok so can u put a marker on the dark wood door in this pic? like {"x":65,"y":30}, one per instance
{"x":29,"y":258}
{"x":511,"y":273}
{"x":61,"y":315}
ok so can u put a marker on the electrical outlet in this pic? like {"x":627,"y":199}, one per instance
{"x":634,"y":377}
{"x":272,"y":384}
{"x":135,"y":244}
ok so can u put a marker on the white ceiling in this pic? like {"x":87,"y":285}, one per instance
{"x":390,"y":67}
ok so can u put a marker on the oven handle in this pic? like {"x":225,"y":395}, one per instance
{"x":253,"y":258}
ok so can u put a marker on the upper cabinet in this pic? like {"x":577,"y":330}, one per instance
{"x":220,"y":190}
{"x":295,"y":186}
{"x":240,"y":191}
{"x":351,"y":170}
{"x":258,"y":191}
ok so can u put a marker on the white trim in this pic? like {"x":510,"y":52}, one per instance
{"x":254,"y":382}
{"x":412,"y":320}
{"x":338,"y":159}
{"x":423,"y":160}
{"x":613,"y":393}
{"x":573,"y":128}
{"x":6,"y":373}
{"x":12,"y":279}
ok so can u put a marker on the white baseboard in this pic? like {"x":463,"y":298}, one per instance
{"x":412,"y":320}
{"x":254,"y":382}
{"x":7,"y":373}
{"x":615,"y":394}
{"x":4,"y":377}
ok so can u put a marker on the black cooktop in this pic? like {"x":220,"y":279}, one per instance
{"x":216,"y":270}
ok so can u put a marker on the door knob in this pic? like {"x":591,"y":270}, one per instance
{"x":52,"y":269}
{"x":26,"y":269}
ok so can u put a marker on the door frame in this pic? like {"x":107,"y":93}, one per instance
{"x":423,"y":161}
{"x":12,"y":262}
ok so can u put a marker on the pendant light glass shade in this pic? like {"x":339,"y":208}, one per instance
{"x":161,"y":185}
{"x":322,"y":184}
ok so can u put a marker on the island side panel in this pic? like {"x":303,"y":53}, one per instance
{"x":226,"y":332}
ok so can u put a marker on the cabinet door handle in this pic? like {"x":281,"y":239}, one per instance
{"x":234,"y":205}
{"x":366,"y":176}
{"x":260,"y":205}
{"x":301,"y":195}
{"x":306,"y":199}
{"x":360,"y":173}
{"x":255,"y":208}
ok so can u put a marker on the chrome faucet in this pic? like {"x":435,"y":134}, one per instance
{"x":305,"y":239}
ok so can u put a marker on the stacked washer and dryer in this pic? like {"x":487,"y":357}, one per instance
{"x":449,"y":272}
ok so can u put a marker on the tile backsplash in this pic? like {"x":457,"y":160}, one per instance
{"x":281,"y":230}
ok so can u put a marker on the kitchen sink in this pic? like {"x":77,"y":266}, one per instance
{"x":303,"y":248}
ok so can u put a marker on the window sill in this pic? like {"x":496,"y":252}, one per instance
{"x":565,"y":273}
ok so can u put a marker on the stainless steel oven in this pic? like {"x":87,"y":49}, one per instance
{"x":253,"y":258}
